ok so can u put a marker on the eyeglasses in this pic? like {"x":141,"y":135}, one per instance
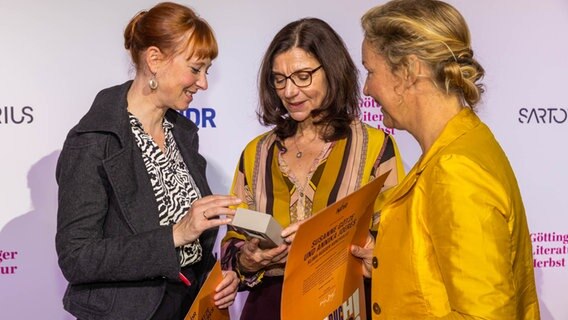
{"x":300,"y":79}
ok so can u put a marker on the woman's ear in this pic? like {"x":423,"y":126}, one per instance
{"x":418,"y":69}
{"x":412,"y":70}
{"x":154,"y":58}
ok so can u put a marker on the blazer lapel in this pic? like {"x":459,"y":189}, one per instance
{"x":463,"y":122}
{"x":130,"y":182}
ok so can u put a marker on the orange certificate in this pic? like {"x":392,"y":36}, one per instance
{"x":322,"y":280}
{"x":203,"y":308}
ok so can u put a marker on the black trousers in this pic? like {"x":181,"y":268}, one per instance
{"x":178,"y":298}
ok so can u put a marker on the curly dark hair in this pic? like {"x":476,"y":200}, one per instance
{"x":341,"y":104}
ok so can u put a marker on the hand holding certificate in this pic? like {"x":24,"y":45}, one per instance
{"x":320,"y":267}
{"x":204,"y":308}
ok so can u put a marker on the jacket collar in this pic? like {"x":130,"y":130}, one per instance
{"x":459,"y":125}
{"x":109,"y":113}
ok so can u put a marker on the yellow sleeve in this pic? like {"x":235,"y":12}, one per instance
{"x":468,"y":219}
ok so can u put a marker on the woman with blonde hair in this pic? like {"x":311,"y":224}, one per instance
{"x":453,"y":240}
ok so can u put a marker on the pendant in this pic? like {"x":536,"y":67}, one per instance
{"x":299,"y":154}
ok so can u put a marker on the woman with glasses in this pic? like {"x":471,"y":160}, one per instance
{"x":317,"y":152}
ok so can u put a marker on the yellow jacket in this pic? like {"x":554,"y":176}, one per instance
{"x":453,"y":241}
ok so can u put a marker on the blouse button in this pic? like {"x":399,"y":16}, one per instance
{"x":375,"y":262}
{"x":376,"y":308}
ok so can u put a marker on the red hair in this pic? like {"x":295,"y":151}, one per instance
{"x":172,"y":28}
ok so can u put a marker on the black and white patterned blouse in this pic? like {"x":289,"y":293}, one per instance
{"x":173,"y":186}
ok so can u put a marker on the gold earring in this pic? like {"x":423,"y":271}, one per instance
{"x":153,"y":83}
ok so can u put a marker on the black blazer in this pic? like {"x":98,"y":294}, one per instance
{"x":111,"y":247}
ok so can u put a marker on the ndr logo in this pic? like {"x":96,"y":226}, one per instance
{"x":202,"y":117}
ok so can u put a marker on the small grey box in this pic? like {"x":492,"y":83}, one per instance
{"x":255,"y":224}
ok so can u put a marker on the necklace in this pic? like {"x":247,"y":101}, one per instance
{"x":301,"y":207}
{"x":299,"y":154}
